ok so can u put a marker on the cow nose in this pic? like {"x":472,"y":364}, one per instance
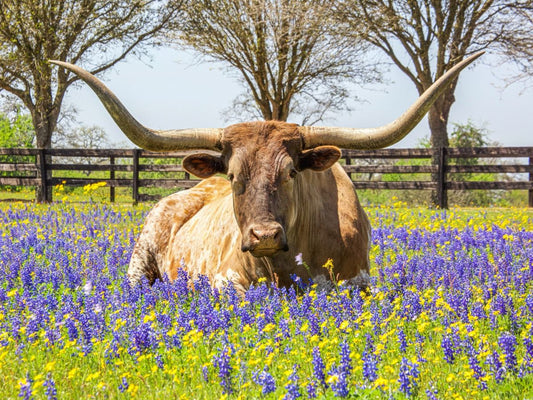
{"x":262,"y":233}
{"x":267,"y":238}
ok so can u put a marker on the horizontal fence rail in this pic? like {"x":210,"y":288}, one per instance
{"x":439,"y":170}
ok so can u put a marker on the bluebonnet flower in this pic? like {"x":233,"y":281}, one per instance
{"x":339,"y":381}
{"x":478,"y":310}
{"x":311,"y":390}
{"x":265,"y":380}
{"x":507,"y":342}
{"x":432,"y":394}
{"x":292,"y":386}
{"x":222,"y":362}
{"x":143,"y":337}
{"x":26,"y":390}
{"x":496,"y":366}
{"x":473,"y":361}
{"x":448,"y":349}
{"x":370,"y":366}
{"x":159,"y":361}
{"x":402,"y":340}
{"x":346,"y":360}
{"x":526,"y":367}
{"x":205,"y":373}
{"x":409,"y":373}
{"x":87,"y":288}
{"x":319,"y":367}
{"x":124,"y":385}
{"x":50,"y":387}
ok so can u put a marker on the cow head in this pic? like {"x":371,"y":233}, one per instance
{"x":262,"y":160}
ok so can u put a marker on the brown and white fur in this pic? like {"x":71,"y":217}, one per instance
{"x":281,"y":201}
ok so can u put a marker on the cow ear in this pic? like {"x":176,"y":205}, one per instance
{"x":320,"y":158}
{"x":203,"y":165}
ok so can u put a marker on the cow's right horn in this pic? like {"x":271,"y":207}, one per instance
{"x":149,"y":139}
{"x":386,"y":135}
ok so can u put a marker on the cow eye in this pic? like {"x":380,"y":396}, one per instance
{"x":237,"y":187}
{"x":230,"y":177}
{"x":293,"y":173}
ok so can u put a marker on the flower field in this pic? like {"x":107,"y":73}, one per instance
{"x":450,"y":315}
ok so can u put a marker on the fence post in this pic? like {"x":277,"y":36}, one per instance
{"x":531,"y":182}
{"x":112,"y":176}
{"x":349,"y":162}
{"x":135,"y":184}
{"x":43,"y":171}
{"x":442,"y":193}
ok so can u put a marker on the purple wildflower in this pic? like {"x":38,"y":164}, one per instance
{"x":507,"y":342}
{"x":26,"y":388}
{"x":293,"y":388}
{"x":346,"y":360}
{"x":448,"y":349}
{"x":402,"y":340}
{"x":473,"y":361}
{"x":339,"y":385}
{"x":205,"y":373}
{"x":159,"y":361}
{"x":370,"y":366}
{"x":87,"y":288}
{"x":432,"y":394}
{"x":222,"y":362}
{"x":319,"y":367}
{"x":527,"y":363}
{"x":311,"y":390}
{"x":496,"y":366}
{"x":124,"y":385}
{"x":265,"y":380}
{"x":409,"y":373}
{"x":50,"y":385}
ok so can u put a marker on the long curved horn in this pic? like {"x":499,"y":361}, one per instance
{"x":378,"y":138}
{"x":149,"y":139}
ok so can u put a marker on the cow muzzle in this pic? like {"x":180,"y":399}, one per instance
{"x":263,"y":240}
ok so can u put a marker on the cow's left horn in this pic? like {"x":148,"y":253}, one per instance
{"x":149,"y":139}
{"x":378,"y":138}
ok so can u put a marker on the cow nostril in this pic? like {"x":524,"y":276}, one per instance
{"x":268,"y":234}
{"x":255,"y":234}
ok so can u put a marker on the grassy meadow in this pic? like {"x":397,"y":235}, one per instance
{"x":450,"y":315}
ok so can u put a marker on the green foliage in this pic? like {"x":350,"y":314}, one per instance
{"x":463,"y":135}
{"x":17,"y":131}
{"x":468,"y":136}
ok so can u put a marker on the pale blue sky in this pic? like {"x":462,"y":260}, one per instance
{"x":170,"y":92}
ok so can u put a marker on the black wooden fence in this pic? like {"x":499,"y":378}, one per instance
{"x":44,"y":168}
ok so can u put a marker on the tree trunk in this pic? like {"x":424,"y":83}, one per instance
{"x":44,"y":128}
{"x":438,"y":125}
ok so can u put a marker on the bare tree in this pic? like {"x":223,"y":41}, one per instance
{"x":94,"y":33}
{"x":425,"y":38}
{"x":515,"y":44}
{"x":283,"y":51}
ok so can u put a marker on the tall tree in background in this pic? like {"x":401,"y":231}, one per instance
{"x":93,"y":33}
{"x":515,"y":44}
{"x":282,"y":50}
{"x":425,"y":38}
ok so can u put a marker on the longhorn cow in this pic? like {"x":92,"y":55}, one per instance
{"x":285,"y":194}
